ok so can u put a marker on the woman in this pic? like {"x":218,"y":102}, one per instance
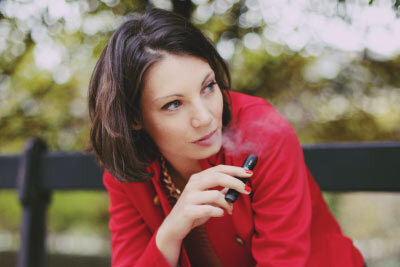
{"x":171,"y":136}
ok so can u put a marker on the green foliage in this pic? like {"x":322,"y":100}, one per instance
{"x":79,"y":211}
{"x":10,"y":210}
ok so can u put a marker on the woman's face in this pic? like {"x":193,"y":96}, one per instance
{"x":182,"y":108}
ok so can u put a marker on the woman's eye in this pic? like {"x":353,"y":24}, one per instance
{"x":210,"y":86}
{"x":171,"y":106}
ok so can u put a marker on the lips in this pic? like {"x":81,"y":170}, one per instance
{"x":205,"y":139}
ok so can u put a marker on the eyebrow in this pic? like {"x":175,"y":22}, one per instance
{"x":180,"y":95}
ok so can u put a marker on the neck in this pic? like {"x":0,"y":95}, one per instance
{"x":183,"y":168}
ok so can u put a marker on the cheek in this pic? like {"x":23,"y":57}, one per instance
{"x":154,"y":126}
{"x":158,"y":130}
{"x":218,"y":106}
{"x":164,"y":132}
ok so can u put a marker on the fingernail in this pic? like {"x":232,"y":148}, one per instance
{"x":247,"y":188}
{"x":249,"y":172}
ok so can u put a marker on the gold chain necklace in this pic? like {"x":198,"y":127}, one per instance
{"x":173,"y":191}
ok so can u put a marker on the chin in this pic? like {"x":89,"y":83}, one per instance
{"x":202,"y":153}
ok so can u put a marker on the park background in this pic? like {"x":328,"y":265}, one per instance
{"x":331,"y":67}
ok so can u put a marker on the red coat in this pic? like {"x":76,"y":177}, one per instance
{"x":284,"y":222}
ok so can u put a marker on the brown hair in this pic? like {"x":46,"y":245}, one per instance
{"x":117,"y":82}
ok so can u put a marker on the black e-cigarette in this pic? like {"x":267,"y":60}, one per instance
{"x":248,"y":164}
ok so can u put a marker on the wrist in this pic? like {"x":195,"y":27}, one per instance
{"x":166,"y":235}
{"x":168,"y":245}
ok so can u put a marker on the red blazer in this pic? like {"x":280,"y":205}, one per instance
{"x":284,"y":222}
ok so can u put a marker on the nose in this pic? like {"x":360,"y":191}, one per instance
{"x":201,"y":116}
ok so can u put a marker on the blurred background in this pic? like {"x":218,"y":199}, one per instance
{"x":331,"y":67}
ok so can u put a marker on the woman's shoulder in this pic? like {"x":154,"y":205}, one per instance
{"x":256,"y":128}
{"x":240,"y":101}
{"x":111,"y":182}
{"x":256,"y":119}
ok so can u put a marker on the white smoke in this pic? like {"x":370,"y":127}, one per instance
{"x":255,"y":136}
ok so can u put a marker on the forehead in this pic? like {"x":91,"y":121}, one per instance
{"x":173,"y":73}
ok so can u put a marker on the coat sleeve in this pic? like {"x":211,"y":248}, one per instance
{"x":132,"y":243}
{"x":281,"y":200}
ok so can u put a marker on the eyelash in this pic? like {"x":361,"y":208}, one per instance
{"x":169,"y":104}
{"x":210,"y":86}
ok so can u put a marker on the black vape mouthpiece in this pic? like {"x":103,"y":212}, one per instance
{"x":248,"y":164}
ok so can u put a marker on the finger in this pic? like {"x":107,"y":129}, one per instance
{"x":213,"y":179}
{"x":224,"y":191}
{"x":204,"y":211}
{"x":231,"y":170}
{"x":214,"y":197}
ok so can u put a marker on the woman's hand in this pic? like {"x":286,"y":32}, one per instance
{"x":198,"y":203}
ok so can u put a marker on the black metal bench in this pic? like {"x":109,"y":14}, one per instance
{"x":337,"y":167}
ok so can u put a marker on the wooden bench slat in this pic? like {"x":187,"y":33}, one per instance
{"x":9,"y":171}
{"x":66,"y":171}
{"x":335,"y":166}
{"x":355,"y":166}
